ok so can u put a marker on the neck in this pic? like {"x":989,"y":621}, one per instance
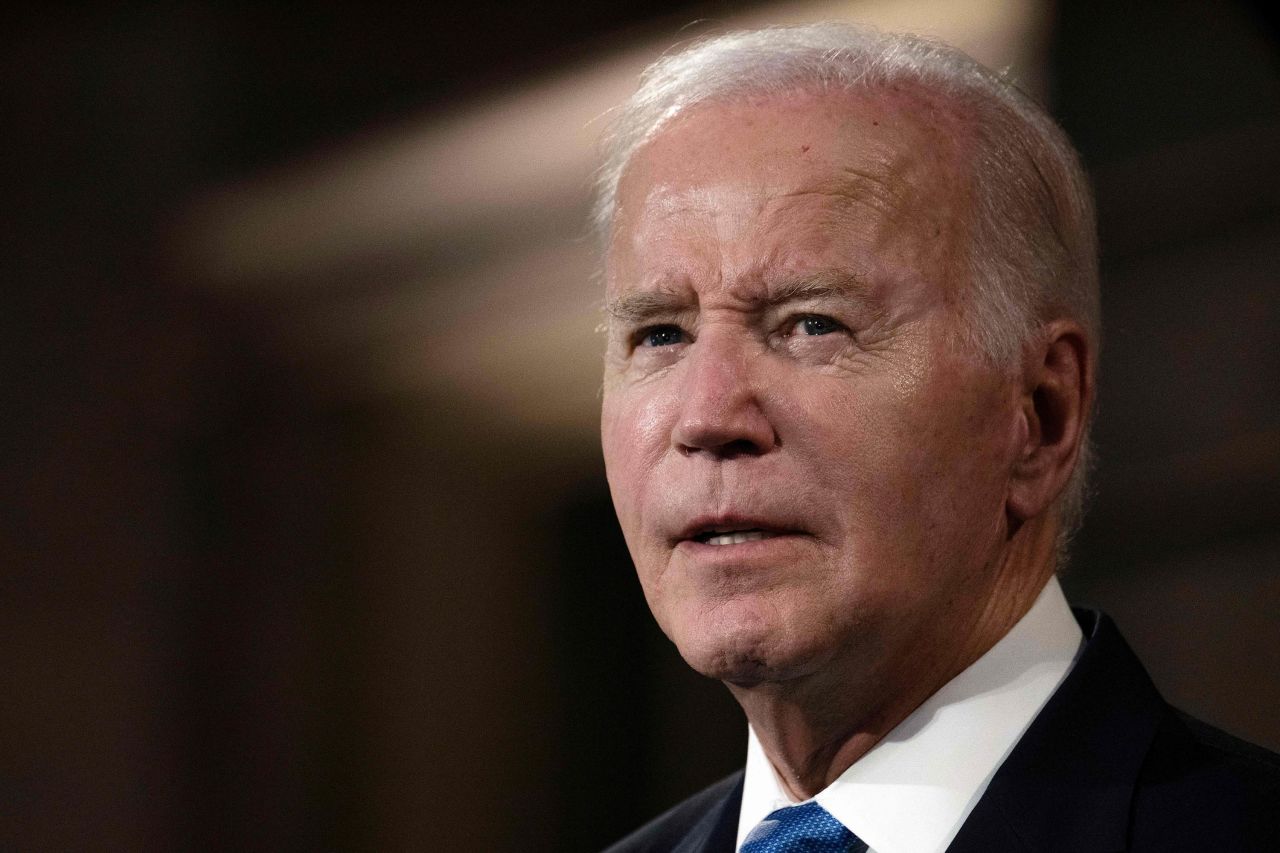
{"x":815,"y":727}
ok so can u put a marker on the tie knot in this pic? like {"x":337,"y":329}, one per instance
{"x":806,"y":828}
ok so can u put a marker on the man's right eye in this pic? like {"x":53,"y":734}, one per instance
{"x":662,"y":336}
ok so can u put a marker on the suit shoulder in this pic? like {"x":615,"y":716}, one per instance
{"x":1205,"y":789}
{"x":1247,"y":759}
{"x":665,"y":831}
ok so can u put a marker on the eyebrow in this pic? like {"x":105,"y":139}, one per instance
{"x":826,"y":284}
{"x":641,"y":306}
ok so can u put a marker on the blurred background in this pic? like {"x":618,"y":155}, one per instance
{"x":305,"y":537}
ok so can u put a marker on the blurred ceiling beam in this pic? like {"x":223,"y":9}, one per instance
{"x":449,"y":257}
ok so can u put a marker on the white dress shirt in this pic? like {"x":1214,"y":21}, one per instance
{"x":912,"y":792}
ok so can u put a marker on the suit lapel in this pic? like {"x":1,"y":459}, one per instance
{"x":1068,"y":784}
{"x":717,"y":830}
{"x":987,"y":833}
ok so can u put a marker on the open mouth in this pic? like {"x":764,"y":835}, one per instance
{"x":732,"y":536}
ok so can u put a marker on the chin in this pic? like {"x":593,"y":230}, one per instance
{"x":738,"y":644}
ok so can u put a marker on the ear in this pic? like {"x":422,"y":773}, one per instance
{"x":1057,"y":395}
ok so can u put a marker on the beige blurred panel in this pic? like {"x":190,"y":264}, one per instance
{"x":482,"y":285}
{"x":518,"y":338}
{"x":492,"y":165}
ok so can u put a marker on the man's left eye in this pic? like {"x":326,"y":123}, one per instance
{"x":816,"y":324}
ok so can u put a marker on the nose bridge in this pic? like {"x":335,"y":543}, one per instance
{"x":720,"y":406}
{"x":718,"y":366}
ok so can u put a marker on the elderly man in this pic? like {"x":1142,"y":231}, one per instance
{"x":853,"y":330}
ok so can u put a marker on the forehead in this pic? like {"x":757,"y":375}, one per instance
{"x":878,"y":169}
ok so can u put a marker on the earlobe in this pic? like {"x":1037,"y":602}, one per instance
{"x":1057,"y":395}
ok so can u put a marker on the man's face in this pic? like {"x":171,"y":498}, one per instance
{"x":810,"y":468}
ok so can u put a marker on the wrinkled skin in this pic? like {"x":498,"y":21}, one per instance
{"x":787,"y":354}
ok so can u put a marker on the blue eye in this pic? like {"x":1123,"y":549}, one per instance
{"x":662,"y":336}
{"x":819,"y":325}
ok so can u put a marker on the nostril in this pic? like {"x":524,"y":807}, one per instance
{"x":727,"y":450}
{"x":740,"y":447}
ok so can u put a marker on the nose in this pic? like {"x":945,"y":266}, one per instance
{"x":720,"y":412}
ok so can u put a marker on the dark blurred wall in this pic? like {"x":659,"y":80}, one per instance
{"x":1176,"y":108}
{"x":243,"y":612}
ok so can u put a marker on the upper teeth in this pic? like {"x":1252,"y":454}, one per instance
{"x":738,"y":537}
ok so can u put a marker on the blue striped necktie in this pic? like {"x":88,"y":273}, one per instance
{"x":806,"y":828}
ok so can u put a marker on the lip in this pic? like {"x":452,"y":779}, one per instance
{"x":732,"y":522}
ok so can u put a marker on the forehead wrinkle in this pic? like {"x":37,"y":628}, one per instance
{"x":886,"y":192}
{"x":883,"y":191}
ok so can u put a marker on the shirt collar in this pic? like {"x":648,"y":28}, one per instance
{"x":912,"y":792}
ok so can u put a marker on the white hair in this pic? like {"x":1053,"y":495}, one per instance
{"x":1033,"y":248}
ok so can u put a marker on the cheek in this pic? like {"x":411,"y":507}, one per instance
{"x":635,"y":430}
{"x":957,"y":462}
{"x":899,"y":451}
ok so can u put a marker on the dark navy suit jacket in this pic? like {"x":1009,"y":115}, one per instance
{"x":1106,"y":766}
